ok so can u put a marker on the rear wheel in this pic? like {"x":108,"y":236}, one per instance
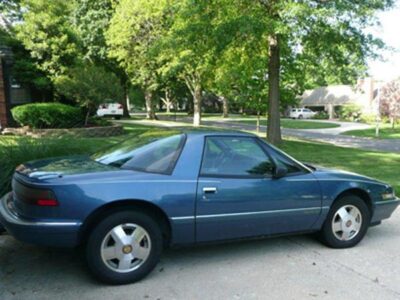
{"x":346,"y":223}
{"x":124,"y":247}
{"x":300,"y":116}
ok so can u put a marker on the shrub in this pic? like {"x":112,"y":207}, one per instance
{"x":47,"y":115}
{"x":349,"y":112}
{"x":321,"y":115}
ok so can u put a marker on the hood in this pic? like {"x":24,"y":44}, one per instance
{"x":60,"y":166}
{"x":326,"y":173}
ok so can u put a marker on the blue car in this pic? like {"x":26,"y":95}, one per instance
{"x":127,"y":203}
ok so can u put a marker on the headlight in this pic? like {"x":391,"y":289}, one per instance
{"x":388,"y":194}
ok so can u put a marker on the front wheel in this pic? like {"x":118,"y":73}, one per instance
{"x":347,"y":223}
{"x":124,"y":247}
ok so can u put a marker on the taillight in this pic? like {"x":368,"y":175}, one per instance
{"x":34,"y":196}
{"x":43,"y":198}
{"x":47,"y":202}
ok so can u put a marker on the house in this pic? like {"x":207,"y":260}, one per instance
{"x":363,"y":94}
{"x":4,"y":87}
{"x":11,"y":92}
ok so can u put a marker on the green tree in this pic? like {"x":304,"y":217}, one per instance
{"x":10,"y":12}
{"x":46,"y":31}
{"x":89,"y":86}
{"x":187,"y":50}
{"x":320,"y":34}
{"x":25,"y":70}
{"x":92,"y":18}
{"x":134,"y":29}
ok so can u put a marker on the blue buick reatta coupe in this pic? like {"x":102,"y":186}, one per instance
{"x":126,"y":204}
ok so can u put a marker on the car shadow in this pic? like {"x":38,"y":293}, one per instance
{"x":19,"y":261}
{"x":27,"y":269}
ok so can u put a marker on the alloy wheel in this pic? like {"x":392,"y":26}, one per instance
{"x":125,"y":248}
{"x":347,"y":222}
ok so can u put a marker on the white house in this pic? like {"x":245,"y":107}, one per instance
{"x":363,"y":94}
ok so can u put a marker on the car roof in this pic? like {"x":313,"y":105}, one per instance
{"x":218,"y":133}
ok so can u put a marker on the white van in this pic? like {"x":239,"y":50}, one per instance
{"x":110,"y":110}
{"x":301,"y":113}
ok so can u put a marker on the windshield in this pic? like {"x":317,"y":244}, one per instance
{"x":158,"y":156}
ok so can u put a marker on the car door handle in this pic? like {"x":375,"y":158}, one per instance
{"x":209,"y":190}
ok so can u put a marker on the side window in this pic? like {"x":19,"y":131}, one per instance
{"x":235,"y":156}
{"x":292,"y":167}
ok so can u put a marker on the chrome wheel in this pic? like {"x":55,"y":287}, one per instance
{"x":125,"y":248}
{"x":346,"y":223}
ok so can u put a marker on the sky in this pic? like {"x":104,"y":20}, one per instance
{"x":389,"y":32}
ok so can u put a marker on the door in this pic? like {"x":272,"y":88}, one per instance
{"x":238,"y":196}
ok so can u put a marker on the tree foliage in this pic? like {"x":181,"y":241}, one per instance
{"x":134,"y":29}
{"x":25,"y":71}
{"x":89,"y":86}
{"x":255,"y":53}
{"x":47,"y":33}
{"x":92,"y":19}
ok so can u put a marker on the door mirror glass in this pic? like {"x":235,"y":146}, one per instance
{"x":280,"y":171}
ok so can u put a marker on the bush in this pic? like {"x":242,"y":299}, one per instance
{"x":321,"y":115}
{"x":47,"y":115}
{"x":349,"y":112}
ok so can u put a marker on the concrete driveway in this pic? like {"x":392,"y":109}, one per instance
{"x":296,"y":267}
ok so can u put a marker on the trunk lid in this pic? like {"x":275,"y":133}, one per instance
{"x":60,"y":166}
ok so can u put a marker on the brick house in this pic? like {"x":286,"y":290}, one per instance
{"x":5,"y":63}
{"x":11,"y":92}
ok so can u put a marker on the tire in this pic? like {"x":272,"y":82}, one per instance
{"x":2,"y":229}
{"x":300,"y":117}
{"x":106,"y":266}
{"x":355,"y":227}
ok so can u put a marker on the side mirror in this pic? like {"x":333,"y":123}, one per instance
{"x":280,"y":172}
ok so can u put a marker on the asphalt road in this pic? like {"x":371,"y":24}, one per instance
{"x":296,"y":267}
{"x":326,"y":135}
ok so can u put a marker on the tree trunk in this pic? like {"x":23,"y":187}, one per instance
{"x":87,"y":116}
{"x":125,"y":102}
{"x":392,"y":122}
{"x":150,"y":114}
{"x":167,"y":101}
{"x":225,"y":107}
{"x":168,"y":107}
{"x":274,"y":127}
{"x":258,"y":121}
{"x":194,"y":85}
{"x":197,"y":99}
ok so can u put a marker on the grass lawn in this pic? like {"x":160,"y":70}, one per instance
{"x":293,"y":124}
{"x":15,"y":150}
{"x":379,"y":165}
{"x":385,"y":132}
